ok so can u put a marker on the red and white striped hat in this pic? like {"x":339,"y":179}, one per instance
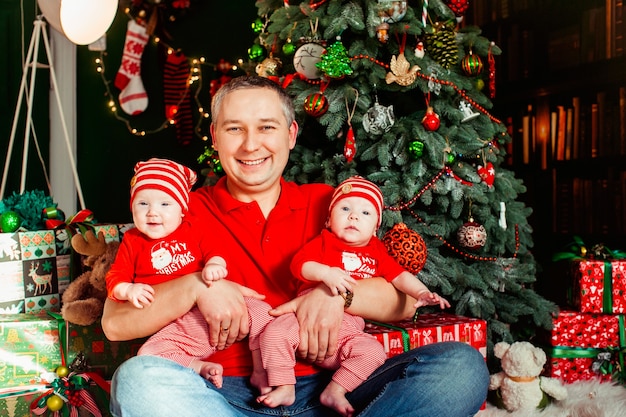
{"x":358,"y":186}
{"x":165,"y":175}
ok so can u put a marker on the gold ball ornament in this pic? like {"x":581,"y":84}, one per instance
{"x":54,"y":403}
{"x":407,"y":247}
{"x":62,"y":371}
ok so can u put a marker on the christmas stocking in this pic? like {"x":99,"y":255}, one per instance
{"x":133,"y":98}
{"x":176,"y":96}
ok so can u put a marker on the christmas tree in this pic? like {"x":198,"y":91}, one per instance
{"x":399,"y":92}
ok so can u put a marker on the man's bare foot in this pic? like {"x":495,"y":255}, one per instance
{"x":334,"y":396}
{"x":282,"y":395}
{"x":213,"y":372}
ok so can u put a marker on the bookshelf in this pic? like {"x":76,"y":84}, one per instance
{"x":561,"y":88}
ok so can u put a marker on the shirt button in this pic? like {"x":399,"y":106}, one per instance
{"x":267,"y":238}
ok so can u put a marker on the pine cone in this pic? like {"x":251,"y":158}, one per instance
{"x":441,"y":45}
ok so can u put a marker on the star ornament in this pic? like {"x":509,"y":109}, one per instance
{"x":402,"y":72}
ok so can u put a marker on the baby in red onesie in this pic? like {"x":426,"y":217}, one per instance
{"x":347,"y":251}
{"x":165,"y":244}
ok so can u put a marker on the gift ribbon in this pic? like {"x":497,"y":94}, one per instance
{"x":607,"y":294}
{"x":606,"y":364}
{"x":406,"y":345}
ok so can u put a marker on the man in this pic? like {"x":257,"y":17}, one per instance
{"x":262,"y":220}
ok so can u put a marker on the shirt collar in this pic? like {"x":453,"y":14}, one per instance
{"x":290,"y":196}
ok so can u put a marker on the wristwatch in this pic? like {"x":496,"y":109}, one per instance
{"x":347,"y":297}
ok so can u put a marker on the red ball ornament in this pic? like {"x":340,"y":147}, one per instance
{"x":458,"y":7}
{"x":431,"y":120}
{"x":472,"y":235}
{"x":472,"y":64}
{"x":407,"y":247}
{"x":315,"y":105}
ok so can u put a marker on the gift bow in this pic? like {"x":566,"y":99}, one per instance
{"x":82,"y":220}
{"x":578,"y":251}
{"x":73,"y":390}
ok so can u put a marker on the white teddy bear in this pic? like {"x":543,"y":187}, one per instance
{"x":519,"y":383}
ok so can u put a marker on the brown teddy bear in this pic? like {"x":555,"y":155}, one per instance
{"x":83,"y":300}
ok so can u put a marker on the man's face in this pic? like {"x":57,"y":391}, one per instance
{"x":253,"y":140}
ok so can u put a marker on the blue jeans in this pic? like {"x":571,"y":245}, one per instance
{"x":440,"y":380}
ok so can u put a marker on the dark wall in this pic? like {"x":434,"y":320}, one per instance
{"x":107,"y":151}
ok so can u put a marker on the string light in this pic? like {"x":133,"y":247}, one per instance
{"x":194,"y":81}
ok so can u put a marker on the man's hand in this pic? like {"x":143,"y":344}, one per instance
{"x":225,"y":311}
{"x":319,"y":315}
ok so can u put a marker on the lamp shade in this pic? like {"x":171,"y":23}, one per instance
{"x":85,"y":21}
{"x":51,"y":9}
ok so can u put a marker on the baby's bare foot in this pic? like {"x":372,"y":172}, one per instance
{"x":282,"y":395}
{"x":334,"y":396}
{"x":213,"y":372}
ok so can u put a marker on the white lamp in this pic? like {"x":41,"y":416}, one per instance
{"x":51,"y":11}
{"x":85,"y":21}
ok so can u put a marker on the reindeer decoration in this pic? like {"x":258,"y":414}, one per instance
{"x":42,"y":282}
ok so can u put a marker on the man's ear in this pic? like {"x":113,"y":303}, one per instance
{"x":211,"y":131}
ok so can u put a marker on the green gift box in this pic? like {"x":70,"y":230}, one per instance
{"x":29,"y":347}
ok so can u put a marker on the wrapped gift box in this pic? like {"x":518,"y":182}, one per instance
{"x":17,"y":405}
{"x":36,"y":267}
{"x":600,"y":286}
{"x":29,"y":267}
{"x":102,"y":355}
{"x":29,"y":346}
{"x":585,"y":344}
{"x":402,"y":336}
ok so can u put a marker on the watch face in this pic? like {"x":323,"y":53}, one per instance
{"x":305,"y":59}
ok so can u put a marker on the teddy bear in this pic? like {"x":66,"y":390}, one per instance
{"x":519,"y":385}
{"x":83,"y":300}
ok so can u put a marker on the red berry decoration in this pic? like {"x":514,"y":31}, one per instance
{"x":472,"y":64}
{"x":407,"y":247}
{"x":472,"y":235}
{"x":316,"y":105}
{"x":431,"y":120}
{"x":458,"y":7}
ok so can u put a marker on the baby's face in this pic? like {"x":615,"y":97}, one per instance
{"x":353,"y":220}
{"x":155,"y":213}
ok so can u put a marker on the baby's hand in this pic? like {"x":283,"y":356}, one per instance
{"x":213,"y":272}
{"x":427,"y":298}
{"x":141,"y":295}
{"x":338,"y":281}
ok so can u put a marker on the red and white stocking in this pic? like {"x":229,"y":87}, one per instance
{"x":176,"y":96}
{"x":133,"y":98}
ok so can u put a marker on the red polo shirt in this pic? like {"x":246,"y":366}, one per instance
{"x":258,"y":251}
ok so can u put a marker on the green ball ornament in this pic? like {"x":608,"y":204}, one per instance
{"x":256,"y":52}
{"x":54,"y":403}
{"x":450,"y":158}
{"x":416,"y":149}
{"x":289,"y":48}
{"x":257,"y":26}
{"x":10,"y":221}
